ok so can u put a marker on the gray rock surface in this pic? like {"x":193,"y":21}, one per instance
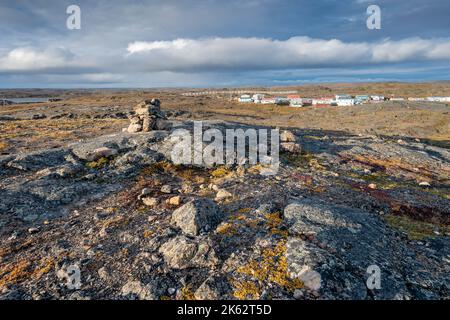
{"x":182,"y":252}
{"x":196,"y":216}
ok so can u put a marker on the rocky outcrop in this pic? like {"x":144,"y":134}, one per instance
{"x":332,"y":249}
{"x":315,"y":230}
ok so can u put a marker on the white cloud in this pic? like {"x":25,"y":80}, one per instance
{"x":296,"y":52}
{"x":220,"y":54}
{"x":30,"y":59}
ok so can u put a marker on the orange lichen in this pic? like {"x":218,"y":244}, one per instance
{"x":187,"y":294}
{"x":23,"y":270}
{"x":227,"y":229}
{"x":115,"y":222}
{"x":246,"y":290}
{"x":272,"y":267}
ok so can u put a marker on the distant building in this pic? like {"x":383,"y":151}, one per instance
{"x":268,"y":101}
{"x":343,"y":97}
{"x":438,"y":99}
{"x":345,"y":102}
{"x":307,"y":102}
{"x":416,"y":99}
{"x":245,"y":98}
{"x":296,"y":103}
{"x":361,"y":99}
{"x":397,"y":99}
{"x":282,"y":101}
{"x":322,"y":101}
{"x":295,"y":100}
{"x":377,"y":98}
{"x":257,"y":97}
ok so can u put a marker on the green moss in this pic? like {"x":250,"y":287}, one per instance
{"x":415,"y":230}
{"x":100,"y":163}
{"x":221,"y":172}
{"x":304,"y":160}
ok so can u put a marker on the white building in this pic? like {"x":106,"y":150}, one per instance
{"x":322,"y":101}
{"x":343,"y":97}
{"x":268,"y":101}
{"x":377,"y":98}
{"x":257,"y":97}
{"x":296,"y":103}
{"x":345,"y":102}
{"x":245,"y":98}
{"x":439,"y":99}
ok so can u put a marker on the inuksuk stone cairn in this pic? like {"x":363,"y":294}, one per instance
{"x":148,"y":116}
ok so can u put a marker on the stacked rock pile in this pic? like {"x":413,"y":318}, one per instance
{"x":289,"y":142}
{"x":148,"y":116}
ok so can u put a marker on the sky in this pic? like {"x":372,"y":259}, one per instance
{"x":216,"y":43}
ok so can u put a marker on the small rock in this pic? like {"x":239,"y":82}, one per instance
{"x":38,"y":116}
{"x":424,"y":184}
{"x":187,"y":188}
{"x":135,"y":288}
{"x":166,"y":189}
{"x":103,"y":274}
{"x":133,"y":128}
{"x":372,"y":186}
{"x":291,"y":147}
{"x":310,"y":278}
{"x":146,"y":191}
{"x":33,"y":230}
{"x":174,"y":201}
{"x":223,"y":194}
{"x":150,"y":202}
{"x":298,"y":294}
{"x":287,"y":136}
{"x":171,"y":291}
{"x":100,"y":153}
{"x":213,"y":187}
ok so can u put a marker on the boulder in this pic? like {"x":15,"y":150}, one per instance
{"x":182,"y":252}
{"x":196,"y":216}
{"x":336,"y":247}
{"x":133,"y":128}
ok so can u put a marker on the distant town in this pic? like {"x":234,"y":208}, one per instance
{"x":337,"y":100}
{"x":290,"y":98}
